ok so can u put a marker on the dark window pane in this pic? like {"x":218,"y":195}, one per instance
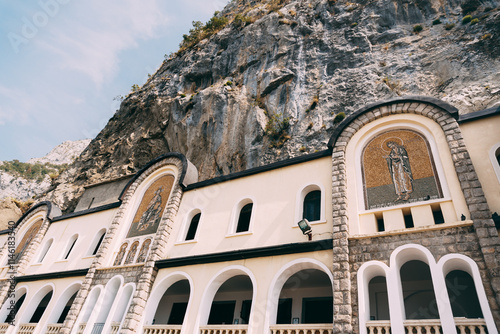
{"x":463,"y":295}
{"x":66,"y":309}
{"x":98,"y":244}
{"x":12,"y":315}
{"x":35,"y":318}
{"x":284,"y":311}
{"x":177,"y":314}
{"x":193,"y":226}
{"x":221,"y":313}
{"x":312,"y":206}
{"x":244,"y":219}
{"x":317,"y":310}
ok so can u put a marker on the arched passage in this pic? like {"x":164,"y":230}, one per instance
{"x":173,"y":304}
{"x":162,"y":298}
{"x":36,"y":306}
{"x":61,"y":309}
{"x":301,"y":292}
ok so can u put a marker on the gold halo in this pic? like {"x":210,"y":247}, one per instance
{"x":395,"y":139}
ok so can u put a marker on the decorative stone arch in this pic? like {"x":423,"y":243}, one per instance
{"x":62,"y":301}
{"x":445,"y":116}
{"x":159,"y":291}
{"x":299,"y":202}
{"x":186,"y":175}
{"x":213,"y":286}
{"x":461,"y":262}
{"x":283,"y":275}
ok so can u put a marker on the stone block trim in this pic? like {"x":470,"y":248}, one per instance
{"x":147,"y":272}
{"x":445,"y":116}
{"x":27,"y":256}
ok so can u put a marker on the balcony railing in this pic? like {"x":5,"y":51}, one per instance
{"x":26,"y":328}
{"x":302,"y":329}
{"x":3,"y":328}
{"x":53,"y":328}
{"x":162,"y":329}
{"x":224,"y":329}
{"x":428,"y":326}
{"x":115,"y":326}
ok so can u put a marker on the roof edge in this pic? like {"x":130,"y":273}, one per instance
{"x":411,"y":98}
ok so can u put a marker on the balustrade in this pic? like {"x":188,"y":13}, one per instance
{"x":428,"y":326}
{"x":224,"y":329}
{"x":162,"y":329}
{"x":53,"y":328}
{"x":26,"y":328}
{"x":302,"y":329}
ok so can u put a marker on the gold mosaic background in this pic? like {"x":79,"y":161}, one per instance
{"x":378,"y":185}
{"x":28,"y":236}
{"x":165,"y":182}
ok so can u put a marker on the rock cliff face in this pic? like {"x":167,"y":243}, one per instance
{"x":271,"y":84}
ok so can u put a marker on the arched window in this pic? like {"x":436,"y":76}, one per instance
{"x":27,"y":238}
{"x":379,"y":301}
{"x":12,"y":314}
{"x":418,"y":291}
{"x":97,"y":241}
{"x":312,"y":206}
{"x":132,"y":252}
{"x":66,"y":309}
{"x":463,"y":295}
{"x":45,"y":250}
{"x":40,"y":309}
{"x":244,"y":218}
{"x":121,"y":254}
{"x":144,"y":251}
{"x":193,"y":227}
{"x":71,"y":245}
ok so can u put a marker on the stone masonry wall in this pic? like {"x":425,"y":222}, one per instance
{"x":488,"y":240}
{"x":462,"y":240}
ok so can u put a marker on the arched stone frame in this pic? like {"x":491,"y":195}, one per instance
{"x":62,"y":301}
{"x":446,"y":117}
{"x":366,"y":272}
{"x":280,"y":279}
{"x":494,"y":152}
{"x":213,"y":286}
{"x":120,"y":255}
{"x":19,"y":292}
{"x":32,"y":304}
{"x":135,"y":200}
{"x":95,"y":242}
{"x":160,"y":289}
{"x":181,"y":237}
{"x":299,"y":203}
{"x":88,"y":306}
{"x":439,"y":150}
{"x":461,"y":262}
{"x":235,"y":215}
{"x":121,"y":304}
{"x":42,"y":254}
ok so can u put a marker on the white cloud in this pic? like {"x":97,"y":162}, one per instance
{"x":93,"y":33}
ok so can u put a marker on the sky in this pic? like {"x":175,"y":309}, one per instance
{"x":63,"y":62}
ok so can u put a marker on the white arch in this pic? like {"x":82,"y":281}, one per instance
{"x":43,"y":253}
{"x":62,"y":301}
{"x":461,"y":262}
{"x":87,"y":308}
{"x":160,"y":289}
{"x":299,"y":202}
{"x":19,"y":292}
{"x":366,"y":272}
{"x":493,"y":158}
{"x":122,"y":303}
{"x":213,"y":286}
{"x":235,"y":215}
{"x":187,"y":223}
{"x":282,"y":276}
{"x":70,"y":246}
{"x":97,"y":237}
{"x":33,"y":302}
